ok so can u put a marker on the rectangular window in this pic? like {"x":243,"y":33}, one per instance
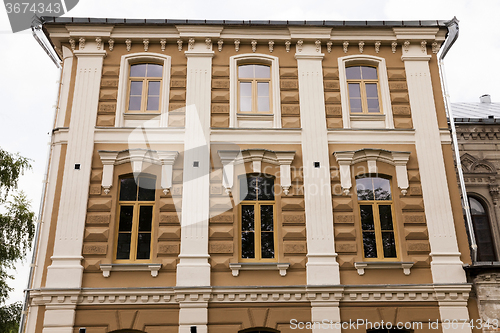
{"x":362,"y":82}
{"x":254,"y":89}
{"x":145,"y":82}
{"x":377,"y":226}
{"x":135,"y":219}
{"x":257,"y":218}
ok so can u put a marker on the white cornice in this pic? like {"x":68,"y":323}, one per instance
{"x":252,"y":136}
{"x":363,"y":35}
{"x":199,"y":30}
{"x":310,"y":33}
{"x":415,"y":33}
{"x":89,"y":30}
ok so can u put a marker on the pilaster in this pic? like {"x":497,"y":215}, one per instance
{"x":65,"y":84}
{"x":66,"y":270}
{"x":322,"y":266}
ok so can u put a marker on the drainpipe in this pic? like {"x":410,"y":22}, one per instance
{"x":37,"y":25}
{"x":452,"y":37}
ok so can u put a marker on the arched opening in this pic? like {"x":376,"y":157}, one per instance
{"x":482,"y":230}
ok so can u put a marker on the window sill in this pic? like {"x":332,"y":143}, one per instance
{"x":107,"y":268}
{"x":361,"y":266}
{"x":259,"y":266}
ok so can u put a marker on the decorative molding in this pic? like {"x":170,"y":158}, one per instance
{"x":361,"y":45}
{"x":435,"y":47}
{"x":318,"y":45}
{"x":163,"y":43}
{"x":145,"y":41}
{"x":361,"y":266}
{"x":377,"y":46}
{"x":393,"y":46}
{"x":128,"y":42}
{"x":111,"y":43}
{"x":423,"y":46}
{"x":81,"y":43}
{"x":219,"y":44}
{"x":167,"y":159}
{"x":345,"y":45}
{"x":287,"y":45}
{"x":108,"y":159}
{"x":271,"y":46}
{"x":179,"y":45}
{"x":258,"y":266}
{"x":406,"y":46}
{"x":72,"y":44}
{"x":191,"y":43}
{"x":236,"y":45}
{"x":347,"y":158}
{"x":254,"y":45}
{"x":208,"y":43}
{"x":98,"y":42}
{"x":108,"y":268}
{"x":329,"y":47}
{"x":285,"y":159}
{"x":300,"y":42}
{"x":227,"y":158}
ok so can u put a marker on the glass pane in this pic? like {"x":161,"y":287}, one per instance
{"x":246,"y":89}
{"x":128,"y":189}
{"x":267,"y":244}
{"x":382,"y":188}
{"x":135,"y":88}
{"x":485,"y":247}
{"x":145,"y":218}
{"x":266,"y":188}
{"x":262,"y":71}
{"x":147,"y":188}
{"x":154,"y":88}
{"x":263,"y":89}
{"x":143,"y":245}
{"x":134,"y":103}
{"x":369,"y":244}
{"x":475,"y":207}
{"x":247,"y":245}
{"x":123,"y":246}
{"x":153,"y":103}
{"x":367,"y":217}
{"x":138,"y":70}
{"x":245,"y":104}
{"x":364,"y":188}
{"x":353,"y":73}
{"x":248,"y":188}
{"x":371,"y":90}
{"x":385,"y":213}
{"x":263,"y":104}
{"x":155,"y":70}
{"x":247,"y":218}
{"x":355,"y":105}
{"x":354,"y":90}
{"x":266,"y":218}
{"x":369,"y":73}
{"x":245,"y":71}
{"x":126,"y":217}
{"x":373,"y":105}
{"x":389,"y":244}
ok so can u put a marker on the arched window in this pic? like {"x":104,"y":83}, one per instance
{"x":144,"y":88}
{"x":482,"y":231}
{"x":254,"y":88}
{"x":377,"y":224}
{"x":363,"y":85}
{"x":135,"y":218}
{"x":257,"y":218}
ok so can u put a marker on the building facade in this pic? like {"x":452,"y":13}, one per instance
{"x":249,"y":175}
{"x":477,"y":125}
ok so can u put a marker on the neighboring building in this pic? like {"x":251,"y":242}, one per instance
{"x":243,"y":175}
{"x":478,"y":134}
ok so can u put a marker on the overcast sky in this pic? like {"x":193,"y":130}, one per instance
{"x":28,"y":78}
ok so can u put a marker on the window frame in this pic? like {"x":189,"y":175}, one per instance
{"x":271,"y":119}
{"x":376,"y":222}
{"x":135,"y":223}
{"x":362,"y":88}
{"x":257,"y":224}
{"x":123,"y":116}
{"x":145,"y":88}
{"x":485,"y":205}
{"x":255,"y":82}
{"x":384,"y":119}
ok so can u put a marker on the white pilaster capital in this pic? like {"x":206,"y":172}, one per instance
{"x":167,"y":160}
{"x":87,"y":52}
{"x":167,"y":157}
{"x":285,"y":159}
{"x":228,"y":158}
{"x":108,"y":157}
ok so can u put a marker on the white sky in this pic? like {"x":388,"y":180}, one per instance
{"x":28,"y":77}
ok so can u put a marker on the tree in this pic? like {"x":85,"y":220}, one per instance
{"x":17,"y":229}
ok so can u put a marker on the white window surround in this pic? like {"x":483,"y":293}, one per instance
{"x":124,"y":119}
{"x":107,"y":268}
{"x":248,"y":121}
{"x":383,"y":120}
{"x":258,"y":266}
{"x":405,"y":265}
